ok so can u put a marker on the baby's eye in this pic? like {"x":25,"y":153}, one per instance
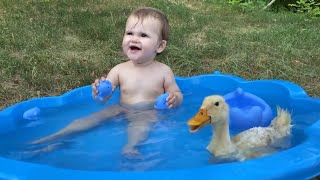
{"x":129,"y":33}
{"x":144,"y":35}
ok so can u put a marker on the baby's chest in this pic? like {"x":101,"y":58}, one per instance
{"x":147,"y":82}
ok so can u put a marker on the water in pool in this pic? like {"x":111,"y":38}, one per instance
{"x":169,"y":146}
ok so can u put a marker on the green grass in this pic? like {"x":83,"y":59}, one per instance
{"x":49,"y":47}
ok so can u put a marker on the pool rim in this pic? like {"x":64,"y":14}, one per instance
{"x":299,"y":162}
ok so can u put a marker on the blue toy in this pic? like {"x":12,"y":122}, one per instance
{"x":247,"y":110}
{"x":161,"y":102}
{"x":32,"y":114}
{"x":104,"y":89}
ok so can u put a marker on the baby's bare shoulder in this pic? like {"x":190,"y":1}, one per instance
{"x":163,"y":67}
{"x":121,"y":66}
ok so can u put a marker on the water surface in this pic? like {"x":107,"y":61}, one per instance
{"x":169,"y":146}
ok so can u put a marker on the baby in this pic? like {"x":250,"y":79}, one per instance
{"x":141,"y":80}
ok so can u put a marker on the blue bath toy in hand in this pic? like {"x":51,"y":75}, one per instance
{"x":247,"y":110}
{"x":104,"y":89}
{"x":161,"y":102}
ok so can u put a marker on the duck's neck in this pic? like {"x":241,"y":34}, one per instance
{"x":221,"y":143}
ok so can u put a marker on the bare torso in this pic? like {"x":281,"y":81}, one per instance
{"x":141,"y":83}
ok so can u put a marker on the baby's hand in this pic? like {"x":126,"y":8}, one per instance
{"x":94,"y":88}
{"x":172,"y":100}
{"x":95,"y":91}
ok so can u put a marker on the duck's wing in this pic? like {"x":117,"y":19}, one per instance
{"x":253,"y":153}
{"x":254,"y":137}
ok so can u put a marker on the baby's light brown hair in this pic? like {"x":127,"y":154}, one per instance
{"x":144,"y":12}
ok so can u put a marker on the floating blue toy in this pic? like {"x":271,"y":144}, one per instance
{"x":161,"y":102}
{"x":247,"y":110}
{"x":104,"y":89}
{"x":32,"y":114}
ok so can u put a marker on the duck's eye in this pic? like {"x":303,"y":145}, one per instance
{"x":216,"y":103}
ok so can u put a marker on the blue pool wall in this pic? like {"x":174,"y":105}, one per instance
{"x":299,"y":162}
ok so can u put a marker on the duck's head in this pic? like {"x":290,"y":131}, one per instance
{"x":213,"y":110}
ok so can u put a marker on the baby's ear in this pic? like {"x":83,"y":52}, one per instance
{"x":162,"y":46}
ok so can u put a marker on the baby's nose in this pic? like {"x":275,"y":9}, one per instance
{"x":135,"y":39}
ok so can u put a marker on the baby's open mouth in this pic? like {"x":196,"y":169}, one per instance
{"x":134,"y":48}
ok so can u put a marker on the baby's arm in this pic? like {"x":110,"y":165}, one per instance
{"x":175,"y":96}
{"x":113,"y":77}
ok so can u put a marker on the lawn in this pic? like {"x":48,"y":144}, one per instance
{"x":48,"y":47}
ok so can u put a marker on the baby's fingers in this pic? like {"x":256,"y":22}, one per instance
{"x":96,"y":82}
{"x":94,"y":87}
{"x":171,"y":102}
{"x":94,"y":90}
{"x":103,"y":78}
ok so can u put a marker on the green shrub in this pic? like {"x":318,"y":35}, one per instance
{"x":311,"y":7}
{"x":282,"y":3}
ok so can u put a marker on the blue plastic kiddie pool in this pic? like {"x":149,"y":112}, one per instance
{"x":171,"y":152}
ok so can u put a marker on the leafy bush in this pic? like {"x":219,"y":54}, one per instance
{"x":283,"y":3}
{"x":277,"y":5}
{"x":311,"y":7}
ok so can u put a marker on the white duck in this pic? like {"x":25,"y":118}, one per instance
{"x":215,"y":110}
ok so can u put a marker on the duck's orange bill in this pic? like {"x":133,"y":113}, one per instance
{"x":199,"y":120}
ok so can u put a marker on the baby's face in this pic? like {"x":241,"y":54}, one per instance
{"x":142,"y":41}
